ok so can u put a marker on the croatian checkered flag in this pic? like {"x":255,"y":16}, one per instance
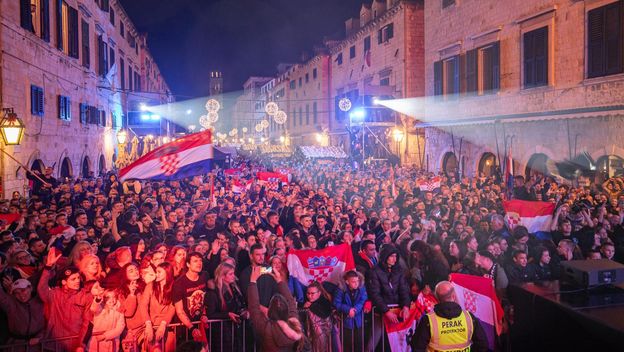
{"x":188,"y":156}
{"x":328,"y":264}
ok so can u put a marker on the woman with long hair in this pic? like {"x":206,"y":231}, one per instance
{"x":129,"y":294}
{"x":226,"y":302}
{"x":177,"y":258}
{"x":91,"y":269}
{"x":80,"y":250}
{"x":157,"y":307}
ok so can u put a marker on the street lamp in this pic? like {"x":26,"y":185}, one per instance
{"x":122,"y":137}
{"x":11,"y":127}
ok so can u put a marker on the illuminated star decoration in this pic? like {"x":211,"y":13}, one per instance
{"x":280,"y":117}
{"x":344,"y":104}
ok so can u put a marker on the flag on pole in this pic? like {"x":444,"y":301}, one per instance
{"x":509,"y":173}
{"x":327,"y":264}
{"x":477,"y":295}
{"x":398,"y":333}
{"x":188,"y":156}
{"x":535,"y":216}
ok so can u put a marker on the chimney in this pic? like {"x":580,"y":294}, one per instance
{"x":365,"y":14}
{"x":379,"y":7}
{"x":352,"y":25}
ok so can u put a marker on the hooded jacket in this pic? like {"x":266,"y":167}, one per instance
{"x":387,"y":285}
{"x":447,"y":310}
{"x":276,"y":336}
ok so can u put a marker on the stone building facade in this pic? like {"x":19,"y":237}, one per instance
{"x":309,"y":102}
{"x":542,"y":80}
{"x":382,"y":56}
{"x":71,"y":70}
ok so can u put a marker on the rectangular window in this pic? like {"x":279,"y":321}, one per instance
{"x":367,"y":44}
{"x":102,"y":118}
{"x":447,"y":3}
{"x":352,"y":52}
{"x":83,"y":113}
{"x":489,"y":69}
{"x":339,"y":59}
{"x":137,"y":81}
{"x":314,"y":74}
{"x":300,"y":117}
{"x":64,"y":108}
{"x":605,"y":34}
{"x":307,"y":77}
{"x":293,"y":84}
{"x":385,"y":33}
{"x":535,"y":58}
{"x":384,"y":81}
{"x":102,"y":56}
{"x":112,"y":16}
{"x":450,"y":76}
{"x":35,"y":17}
{"x":129,"y":76}
{"x":314,"y":113}
{"x":104,"y":5}
{"x":307,"y":115}
{"x":86,"y":49}
{"x":300,"y":81}
{"x":36,"y":100}
{"x":294,"y":119}
{"x":122,"y":73}
{"x":72,"y":32}
{"x":111,"y":56}
{"x":122,"y":29}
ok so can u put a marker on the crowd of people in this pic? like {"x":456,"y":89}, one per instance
{"x":102,"y":265}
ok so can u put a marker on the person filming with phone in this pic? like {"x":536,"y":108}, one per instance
{"x":267,"y":286}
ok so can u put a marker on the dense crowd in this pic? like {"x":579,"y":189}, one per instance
{"x":94,"y":264}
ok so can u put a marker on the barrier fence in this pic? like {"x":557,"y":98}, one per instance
{"x":227,"y":336}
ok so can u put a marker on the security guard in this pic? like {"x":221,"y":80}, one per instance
{"x":448,"y":327}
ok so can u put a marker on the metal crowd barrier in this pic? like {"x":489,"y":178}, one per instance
{"x":226,"y":336}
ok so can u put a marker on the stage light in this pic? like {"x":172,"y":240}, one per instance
{"x":189,"y":111}
{"x":358,"y":114}
{"x":155,"y":117}
{"x":143,"y":107}
{"x":145,"y":117}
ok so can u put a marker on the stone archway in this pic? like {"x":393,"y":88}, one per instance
{"x":37,"y":165}
{"x":488,"y":164}
{"x":67,"y":171}
{"x":86,"y":167}
{"x":450,"y":165}
{"x":102,"y":165}
{"x":536,"y":165}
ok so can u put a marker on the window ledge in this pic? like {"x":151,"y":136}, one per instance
{"x":603,"y":79}
{"x":539,"y":89}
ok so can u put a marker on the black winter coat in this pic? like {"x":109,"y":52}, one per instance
{"x":387,"y":286}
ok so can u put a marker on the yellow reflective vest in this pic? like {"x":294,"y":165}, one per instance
{"x":450,"y":335}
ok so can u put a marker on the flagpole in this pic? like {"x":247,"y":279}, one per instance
{"x":211,"y":189}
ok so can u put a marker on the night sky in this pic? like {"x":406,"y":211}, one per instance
{"x":242,"y":38}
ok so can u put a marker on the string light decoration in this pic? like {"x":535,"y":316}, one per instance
{"x":280,"y":117}
{"x":259,"y":128}
{"x":264,"y":123}
{"x":213,"y":105}
{"x":204,"y":121}
{"x":271,"y":108}
{"x":213,"y":116}
{"x":244,"y":129}
{"x":344,"y":104}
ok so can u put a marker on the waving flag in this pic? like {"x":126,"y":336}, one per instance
{"x":477,"y":295}
{"x":271,"y":179}
{"x":188,"y":156}
{"x":320,"y":265}
{"x":239,"y":186}
{"x":398,"y":333}
{"x":535,"y":216}
{"x":429,"y":184}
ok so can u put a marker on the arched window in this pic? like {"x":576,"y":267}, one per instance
{"x":536,"y":165}
{"x":37,"y":165}
{"x":449,"y":164}
{"x":488,"y":164}
{"x":86,"y":168}
{"x":102,"y":165}
{"x":66,"y":169}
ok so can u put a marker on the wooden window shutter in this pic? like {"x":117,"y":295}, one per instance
{"x":40,"y":101}
{"x":45,"y":20}
{"x":61,"y":107}
{"x":540,"y":51}
{"x":100,"y":44}
{"x":462,"y":74}
{"x":437,"y":78}
{"x":73,"y":32}
{"x":59,"y":24}
{"x":495,"y":66}
{"x":25,"y":16}
{"x":596,"y":42}
{"x":83,"y":113}
{"x":111,"y":57}
{"x":472,"y":68}
{"x":613,"y":38}
{"x":529,"y":59}
{"x":122,"y":73}
{"x":68,"y":109}
{"x":86,"y":49}
{"x":33,"y":100}
{"x":379,"y":36}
